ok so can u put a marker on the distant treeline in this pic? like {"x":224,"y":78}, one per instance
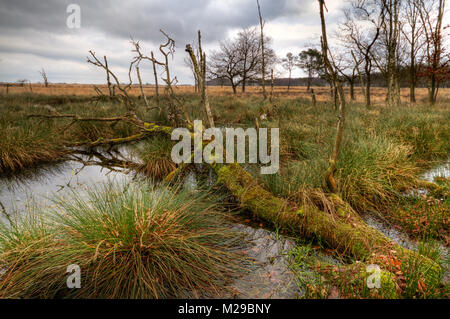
{"x":377,"y":80}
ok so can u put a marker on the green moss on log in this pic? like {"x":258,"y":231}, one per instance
{"x":344,"y":231}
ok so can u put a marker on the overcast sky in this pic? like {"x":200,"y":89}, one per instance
{"x":34,"y":34}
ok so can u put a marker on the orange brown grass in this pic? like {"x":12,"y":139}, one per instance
{"x":322,"y":93}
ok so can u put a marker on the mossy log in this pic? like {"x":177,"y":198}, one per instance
{"x":344,"y":231}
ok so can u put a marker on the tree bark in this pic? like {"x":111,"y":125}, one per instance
{"x":234,"y":88}
{"x":108,"y":79}
{"x":392,"y":30}
{"x":368,"y":83}
{"x":156,"y":80}
{"x":289,"y":81}
{"x":352,"y":89}
{"x":200,"y":70}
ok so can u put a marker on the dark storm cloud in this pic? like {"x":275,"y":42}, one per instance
{"x":142,"y":19}
{"x":34,"y":34}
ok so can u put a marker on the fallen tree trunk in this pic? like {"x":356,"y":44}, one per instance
{"x":344,"y":231}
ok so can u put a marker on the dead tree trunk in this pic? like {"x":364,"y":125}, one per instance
{"x":352,"y":90}
{"x":344,"y":231}
{"x":147,"y":106}
{"x":329,"y":174}
{"x":108,"y":79}
{"x":156,"y":80}
{"x":44,"y":77}
{"x":200,"y":71}
{"x":361,"y":80}
{"x":313,"y":97}
{"x":263,"y":62}
{"x":271,"y":85}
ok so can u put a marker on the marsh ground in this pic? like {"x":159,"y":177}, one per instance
{"x":385,"y":152}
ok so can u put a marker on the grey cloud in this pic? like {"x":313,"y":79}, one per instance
{"x":33,"y":28}
{"x":143,"y":19}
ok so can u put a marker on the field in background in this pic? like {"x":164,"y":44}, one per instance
{"x":322,"y":93}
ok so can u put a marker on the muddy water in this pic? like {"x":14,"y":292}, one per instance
{"x":268,"y":273}
{"x":35,"y":187}
{"x":378,"y":222}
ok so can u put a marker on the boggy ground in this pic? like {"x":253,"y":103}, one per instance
{"x":384,"y":151}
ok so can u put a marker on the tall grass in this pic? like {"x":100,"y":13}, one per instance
{"x":382,"y":153}
{"x":371,"y":171}
{"x":26,"y":145}
{"x":426,"y":129}
{"x":130,"y":241}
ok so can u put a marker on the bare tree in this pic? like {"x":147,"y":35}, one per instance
{"x":188,"y":63}
{"x":249,"y":50}
{"x":361,"y":31}
{"x":44,"y":77}
{"x":437,"y":61}
{"x":413,"y":33}
{"x":167,"y":49}
{"x":289,"y":63}
{"x":155,"y":74}
{"x":144,"y":97}
{"x":358,"y":62}
{"x":390,"y":40}
{"x":311,"y":62}
{"x":348,"y":69}
{"x":271,"y":85}
{"x":225,"y":64}
{"x":123,"y":88}
{"x":239,"y":60}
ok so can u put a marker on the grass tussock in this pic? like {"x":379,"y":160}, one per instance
{"x":130,"y":241}
{"x":156,"y":158}
{"x":27,"y":145}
